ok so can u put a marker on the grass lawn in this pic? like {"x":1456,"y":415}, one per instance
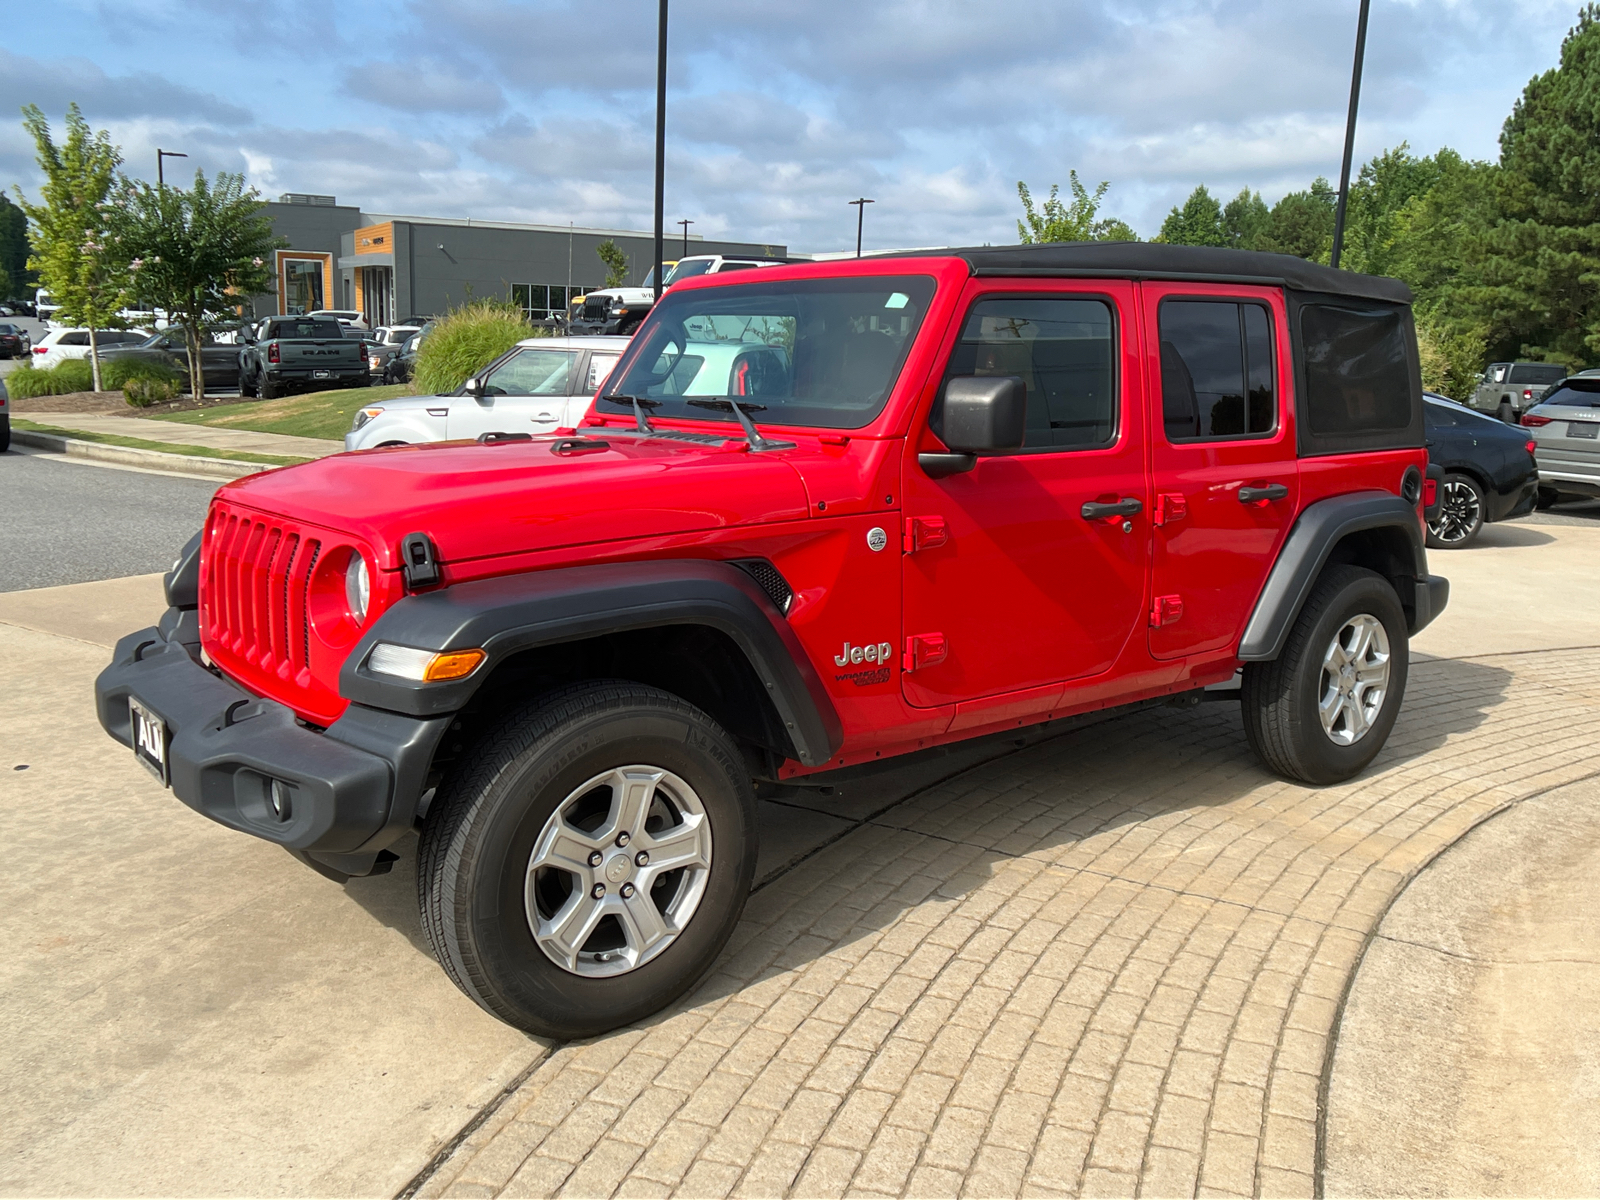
{"x":112,"y":439}
{"x":316,"y":414}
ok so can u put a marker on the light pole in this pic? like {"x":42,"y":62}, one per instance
{"x":686,"y":223}
{"x":861,"y":211}
{"x":1349,"y":135}
{"x":161,"y":179}
{"x":661,"y":136}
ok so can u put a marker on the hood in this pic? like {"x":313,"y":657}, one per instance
{"x":481,"y":501}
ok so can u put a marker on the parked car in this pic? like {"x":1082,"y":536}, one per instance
{"x":5,"y":418}
{"x":345,"y":316}
{"x":383,"y":344}
{"x":299,"y":354}
{"x":402,"y":364}
{"x":1489,"y":471}
{"x":14,"y":341}
{"x":64,"y":342}
{"x":1509,"y":389}
{"x":939,"y":496}
{"x":619,"y":310}
{"x":219,"y":364}
{"x":1565,"y":427}
{"x":541,"y":385}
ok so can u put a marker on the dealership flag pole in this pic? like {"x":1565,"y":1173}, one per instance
{"x":1349,"y":133}
{"x":661,"y":139}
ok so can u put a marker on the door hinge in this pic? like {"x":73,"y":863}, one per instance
{"x":925,"y":650}
{"x":1166,"y":610}
{"x":924,"y":533}
{"x":1170,"y":506}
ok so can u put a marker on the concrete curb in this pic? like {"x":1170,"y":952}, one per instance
{"x":129,"y":456}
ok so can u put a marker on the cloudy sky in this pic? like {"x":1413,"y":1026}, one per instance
{"x":542,"y":110}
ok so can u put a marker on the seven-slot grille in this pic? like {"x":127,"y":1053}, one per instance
{"x":253,"y":603}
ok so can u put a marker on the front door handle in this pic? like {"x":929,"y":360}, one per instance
{"x":1128,"y":506}
{"x":1255,"y":495}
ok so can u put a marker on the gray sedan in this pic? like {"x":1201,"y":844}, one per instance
{"x":1565,"y":425}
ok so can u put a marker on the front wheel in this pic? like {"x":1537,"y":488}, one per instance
{"x":1324,"y":707}
{"x":588,"y":859}
{"x":1460,"y":514}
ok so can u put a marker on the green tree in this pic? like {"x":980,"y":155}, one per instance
{"x":14,"y":251}
{"x":1302,"y":223}
{"x":202,"y":251}
{"x":1541,"y":294}
{"x":615,"y":260}
{"x":1197,"y":223}
{"x":1243,"y":220}
{"x":1078,"y":221}
{"x":76,"y":252}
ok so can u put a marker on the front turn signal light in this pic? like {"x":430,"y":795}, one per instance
{"x":423,"y":666}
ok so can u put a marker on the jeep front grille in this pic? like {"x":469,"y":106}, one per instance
{"x":253,"y":602}
{"x":595,"y":310}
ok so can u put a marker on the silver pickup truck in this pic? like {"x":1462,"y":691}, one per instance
{"x":299,"y":354}
{"x":1510,"y":389}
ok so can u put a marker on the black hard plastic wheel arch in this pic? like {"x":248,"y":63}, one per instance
{"x":480,"y":832}
{"x":509,"y":615}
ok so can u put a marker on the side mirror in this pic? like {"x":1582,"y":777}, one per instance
{"x":978,"y":414}
{"x":474,"y":388}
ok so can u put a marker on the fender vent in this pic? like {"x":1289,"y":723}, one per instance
{"x":770,"y":580}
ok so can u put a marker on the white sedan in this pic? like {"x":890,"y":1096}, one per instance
{"x":539,"y":386}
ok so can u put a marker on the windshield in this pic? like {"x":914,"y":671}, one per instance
{"x":1582,"y":392}
{"x":821,"y":352}
{"x":688,"y":269}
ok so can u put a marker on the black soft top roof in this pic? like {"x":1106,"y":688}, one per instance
{"x":1154,"y":260}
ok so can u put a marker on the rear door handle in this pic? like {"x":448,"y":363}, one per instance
{"x":1254,"y":495}
{"x":1128,"y":506}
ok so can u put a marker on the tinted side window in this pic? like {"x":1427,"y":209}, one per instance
{"x":1063,"y":350}
{"x":73,"y":339}
{"x":1532,"y":373}
{"x":1581,"y":392}
{"x":1216,"y":370}
{"x":1357,"y":378}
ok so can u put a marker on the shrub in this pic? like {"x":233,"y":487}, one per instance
{"x":119,"y":372}
{"x":73,"y":375}
{"x":143,"y":391}
{"x":466,"y":341}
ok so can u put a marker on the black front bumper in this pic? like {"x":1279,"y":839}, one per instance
{"x":353,"y":788}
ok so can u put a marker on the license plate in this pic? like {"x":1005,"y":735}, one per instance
{"x":322,"y":374}
{"x":149,"y":739}
{"x":1583,"y":429}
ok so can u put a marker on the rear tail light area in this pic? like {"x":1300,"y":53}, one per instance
{"x":272,"y":353}
{"x":1532,"y":446}
{"x":1533,"y":421}
{"x":1527,"y":393}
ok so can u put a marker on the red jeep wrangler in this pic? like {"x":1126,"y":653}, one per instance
{"x":830,"y":514}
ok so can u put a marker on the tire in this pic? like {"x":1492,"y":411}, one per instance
{"x":1545,"y":498}
{"x":266,"y":389}
{"x":1506,"y":413}
{"x":497,"y":812}
{"x":5,"y":432}
{"x":1280,"y":698}
{"x":1461,"y":509}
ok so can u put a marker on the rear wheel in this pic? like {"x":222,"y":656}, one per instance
{"x":1460,"y":513}
{"x":5,"y":432}
{"x":586,"y":863}
{"x":266,"y":389}
{"x":1323,"y":708}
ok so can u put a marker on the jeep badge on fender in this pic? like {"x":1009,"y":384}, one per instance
{"x":571,"y":706}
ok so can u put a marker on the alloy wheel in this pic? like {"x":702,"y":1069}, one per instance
{"x":1355,"y":679}
{"x":1460,"y":512}
{"x":618,"y":871}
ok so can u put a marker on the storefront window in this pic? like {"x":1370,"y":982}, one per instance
{"x":302,"y":292}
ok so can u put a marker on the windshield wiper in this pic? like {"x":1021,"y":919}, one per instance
{"x":751,"y":433}
{"x":640,"y":403}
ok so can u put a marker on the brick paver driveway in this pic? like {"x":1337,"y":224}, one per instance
{"x":1107,"y":963}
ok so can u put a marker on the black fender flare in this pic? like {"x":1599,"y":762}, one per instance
{"x":510,"y":614}
{"x":1306,"y":551}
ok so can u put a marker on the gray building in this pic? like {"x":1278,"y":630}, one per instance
{"x":392,"y":267}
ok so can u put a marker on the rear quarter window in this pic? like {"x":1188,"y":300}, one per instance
{"x":1583,"y":393}
{"x":1535,"y":374}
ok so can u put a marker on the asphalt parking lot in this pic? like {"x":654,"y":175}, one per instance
{"x":1102,"y":959}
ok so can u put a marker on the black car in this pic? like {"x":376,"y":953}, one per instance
{"x":219,"y":364}
{"x":1489,"y":471}
{"x":402,"y":364}
{"x":13,"y":341}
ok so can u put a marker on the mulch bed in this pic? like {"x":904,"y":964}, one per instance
{"x":113,"y":402}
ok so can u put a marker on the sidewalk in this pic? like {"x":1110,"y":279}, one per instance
{"x":241,"y":441}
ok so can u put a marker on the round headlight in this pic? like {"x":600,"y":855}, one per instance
{"x":357,"y":586}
